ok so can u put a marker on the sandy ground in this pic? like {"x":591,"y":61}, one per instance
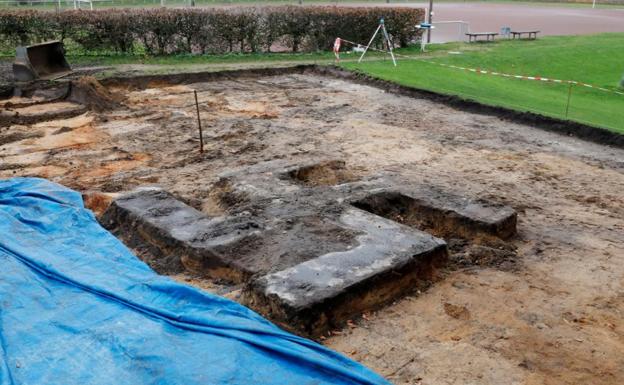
{"x":556,"y":317}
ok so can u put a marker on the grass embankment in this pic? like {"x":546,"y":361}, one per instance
{"x":596,"y":59}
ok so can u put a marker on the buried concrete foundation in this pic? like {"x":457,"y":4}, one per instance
{"x":388,"y":261}
{"x":202,"y":245}
{"x":311,"y":249}
{"x":443,"y":214}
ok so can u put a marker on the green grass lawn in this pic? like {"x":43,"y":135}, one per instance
{"x":597,"y":59}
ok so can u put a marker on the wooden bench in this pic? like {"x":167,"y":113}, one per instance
{"x":532,"y":34}
{"x":489,"y":36}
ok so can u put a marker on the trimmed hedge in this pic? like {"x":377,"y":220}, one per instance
{"x":209,"y":30}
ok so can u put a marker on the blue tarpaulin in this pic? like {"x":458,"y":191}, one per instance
{"x":77,"y":307}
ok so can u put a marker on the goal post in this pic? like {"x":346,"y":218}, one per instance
{"x":461,"y":29}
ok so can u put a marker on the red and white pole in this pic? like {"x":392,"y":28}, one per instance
{"x":337,"y":49}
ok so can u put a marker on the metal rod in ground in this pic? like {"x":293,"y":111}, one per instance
{"x":201,"y":134}
{"x":569,"y":96}
{"x":430,"y":18}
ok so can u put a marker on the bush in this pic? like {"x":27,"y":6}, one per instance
{"x":105,"y":31}
{"x":21,"y":27}
{"x":208,"y":30}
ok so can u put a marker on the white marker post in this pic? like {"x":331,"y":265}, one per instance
{"x":427,"y":27}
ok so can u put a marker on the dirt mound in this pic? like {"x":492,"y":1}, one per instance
{"x":89,"y":92}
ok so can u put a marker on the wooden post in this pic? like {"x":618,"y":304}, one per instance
{"x":201,"y":134}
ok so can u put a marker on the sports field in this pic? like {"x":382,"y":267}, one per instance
{"x":593,"y":59}
{"x":548,"y":18}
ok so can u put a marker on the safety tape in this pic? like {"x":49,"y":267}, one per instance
{"x":494,"y":73}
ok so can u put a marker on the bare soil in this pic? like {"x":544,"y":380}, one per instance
{"x":555,"y":318}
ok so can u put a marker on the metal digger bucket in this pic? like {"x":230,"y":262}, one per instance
{"x":40,"y":61}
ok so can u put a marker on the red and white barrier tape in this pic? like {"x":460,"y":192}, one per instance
{"x":487,"y":72}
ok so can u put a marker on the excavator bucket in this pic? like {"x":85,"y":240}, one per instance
{"x":40,"y":61}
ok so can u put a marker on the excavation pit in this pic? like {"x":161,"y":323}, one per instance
{"x":265,"y":202}
{"x":328,"y":173}
{"x":269,"y":123}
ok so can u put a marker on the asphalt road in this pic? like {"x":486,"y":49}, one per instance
{"x":550,"y":19}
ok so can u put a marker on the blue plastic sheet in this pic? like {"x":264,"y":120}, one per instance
{"x":77,"y":307}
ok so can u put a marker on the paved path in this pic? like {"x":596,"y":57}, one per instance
{"x":549,"y":19}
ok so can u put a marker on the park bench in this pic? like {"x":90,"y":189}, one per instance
{"x":532,"y":34}
{"x":474,"y":36}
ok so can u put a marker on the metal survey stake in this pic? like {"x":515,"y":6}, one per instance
{"x":201,"y":135}
{"x":429,"y":20}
